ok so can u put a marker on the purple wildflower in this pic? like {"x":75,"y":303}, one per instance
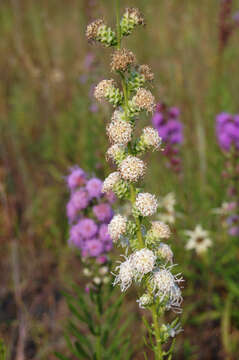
{"x":94,"y":187}
{"x":76,"y":237}
{"x":103,"y":212}
{"x":94,"y":247}
{"x":90,"y":236}
{"x":170,"y":129}
{"x":76,"y":178}
{"x":108,"y":245}
{"x":71,"y":211}
{"x":87,"y":228}
{"x":227,"y":131}
{"x":80,"y":199}
{"x":103,"y":233}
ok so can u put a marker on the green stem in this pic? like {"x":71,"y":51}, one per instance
{"x":158,"y":348}
{"x":99,"y":309}
{"x":225,"y":327}
{"x":98,"y":348}
{"x":137,"y":220}
{"x":118,"y":24}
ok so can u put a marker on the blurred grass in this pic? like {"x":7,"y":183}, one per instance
{"x":46,"y":124}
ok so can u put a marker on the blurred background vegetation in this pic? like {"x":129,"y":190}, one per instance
{"x":49,"y":122}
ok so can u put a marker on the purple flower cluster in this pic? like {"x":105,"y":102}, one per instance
{"x":227,"y":131}
{"x":89,"y":212}
{"x":170,"y":129}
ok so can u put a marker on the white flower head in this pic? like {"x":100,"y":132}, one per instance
{"x":160,"y":230}
{"x":151,"y":138}
{"x":168,"y":202}
{"x":110,"y":182}
{"x":134,"y":15}
{"x":103,"y":88}
{"x":198,"y":240}
{"x":145,"y":300}
{"x":122,"y":59}
{"x":165,"y":252}
{"x":87,"y":272}
{"x":132,"y":168}
{"x":144,"y":100}
{"x":125,"y":274}
{"x":92,"y":30}
{"x":146,"y":72}
{"x":97,"y":280}
{"x":165,"y":286}
{"x":117,"y":227}
{"x":115,"y":152}
{"x":119,"y":131}
{"x":143,"y":262}
{"x":146,"y":204}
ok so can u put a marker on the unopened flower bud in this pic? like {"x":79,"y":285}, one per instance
{"x":145,"y":300}
{"x":98,"y":31}
{"x":146,"y":72}
{"x":131,"y":18}
{"x":116,"y":153}
{"x":164,"y":251}
{"x":106,"y":90}
{"x":110,"y":182}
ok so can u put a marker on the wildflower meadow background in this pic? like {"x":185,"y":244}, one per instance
{"x":55,"y":248}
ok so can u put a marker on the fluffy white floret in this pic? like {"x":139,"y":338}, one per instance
{"x":119,"y":131}
{"x":132,"y":168}
{"x":110,"y":182}
{"x":146,"y":204}
{"x":117,"y":227}
{"x":151,"y":138}
{"x":143,"y":262}
{"x":165,"y":286}
{"x":125,"y":274}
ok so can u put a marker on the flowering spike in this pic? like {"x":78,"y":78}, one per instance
{"x":146,"y":262}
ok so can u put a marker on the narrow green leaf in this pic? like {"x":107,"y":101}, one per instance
{"x":81,"y":350}
{"x":61,"y":357}
{"x":82,"y":338}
